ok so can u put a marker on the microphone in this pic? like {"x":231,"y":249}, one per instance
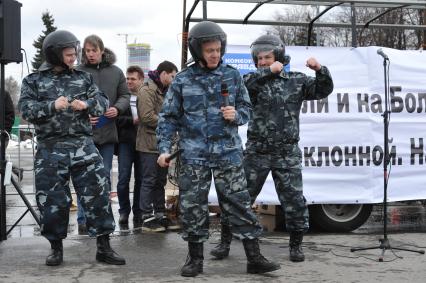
{"x":174,"y":155}
{"x":381,"y":53}
{"x":225,"y":94}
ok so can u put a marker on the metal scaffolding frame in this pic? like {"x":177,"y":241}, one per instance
{"x":389,"y":5}
{"x":415,"y":4}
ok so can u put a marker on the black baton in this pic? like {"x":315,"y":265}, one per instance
{"x":174,"y":155}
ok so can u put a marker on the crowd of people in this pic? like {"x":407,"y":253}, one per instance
{"x":85,"y":114}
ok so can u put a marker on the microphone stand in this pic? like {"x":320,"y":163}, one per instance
{"x":384,"y":242}
{"x":3,"y":235}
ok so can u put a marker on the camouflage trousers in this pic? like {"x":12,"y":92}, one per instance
{"x":234,"y":200}
{"x":288,"y":185}
{"x":81,"y":162}
{"x":287,"y":175}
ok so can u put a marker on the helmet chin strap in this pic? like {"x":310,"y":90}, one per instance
{"x":203,"y":63}
{"x":63,"y":68}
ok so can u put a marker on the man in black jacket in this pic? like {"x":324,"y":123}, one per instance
{"x":9,"y":115}
{"x":127,"y":124}
{"x":8,"y":124}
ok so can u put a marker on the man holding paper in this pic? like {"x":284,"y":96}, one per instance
{"x":127,"y":126}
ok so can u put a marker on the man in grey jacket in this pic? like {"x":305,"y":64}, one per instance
{"x":99,"y":61}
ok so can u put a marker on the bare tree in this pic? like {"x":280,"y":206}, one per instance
{"x":394,"y":38}
{"x":293,"y":35}
{"x":421,"y":35}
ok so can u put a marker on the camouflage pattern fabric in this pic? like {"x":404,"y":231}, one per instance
{"x":277,"y":100}
{"x":54,"y":166}
{"x":234,"y":200}
{"x":288,"y":184}
{"x":211,"y":146}
{"x":66,"y":150}
{"x":37,"y":104}
{"x":273,"y":135}
{"x":192,"y":108}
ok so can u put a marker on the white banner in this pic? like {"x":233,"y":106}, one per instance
{"x":342,"y":137}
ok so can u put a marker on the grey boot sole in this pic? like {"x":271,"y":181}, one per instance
{"x":107,"y":259}
{"x":219,"y":255}
{"x":189,"y":274}
{"x":53,"y":263}
{"x":297,"y":259}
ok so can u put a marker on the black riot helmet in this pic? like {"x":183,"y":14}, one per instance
{"x":57,"y":41}
{"x":204,"y":32}
{"x":267,"y":43}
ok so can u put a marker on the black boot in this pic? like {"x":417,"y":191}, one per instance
{"x":296,"y":252}
{"x":222,"y":249}
{"x":124,"y":219}
{"x":56,"y":255}
{"x":256,"y":262}
{"x":194,"y":261}
{"x":105,"y":253}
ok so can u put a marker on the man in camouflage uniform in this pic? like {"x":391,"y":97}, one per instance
{"x":208,"y":132}
{"x":273,"y":135}
{"x":58,"y":100}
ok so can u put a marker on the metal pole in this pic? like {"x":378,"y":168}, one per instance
{"x":353,"y":21}
{"x":127,"y":50}
{"x":184,"y":53}
{"x":3,"y":235}
{"x":125,"y":40}
{"x":386,"y":158}
{"x":318,"y":34}
{"x":185,"y":29}
{"x":311,"y":23}
{"x":204,"y":10}
{"x":424,"y":31}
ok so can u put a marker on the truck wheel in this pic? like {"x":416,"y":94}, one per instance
{"x":339,"y":217}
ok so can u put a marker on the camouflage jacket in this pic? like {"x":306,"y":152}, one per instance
{"x":192,"y":109}
{"x":37,"y":104}
{"x":277,"y":100}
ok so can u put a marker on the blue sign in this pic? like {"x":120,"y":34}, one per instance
{"x":243,"y":62}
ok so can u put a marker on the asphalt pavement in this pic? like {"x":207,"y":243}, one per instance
{"x":158,"y":257}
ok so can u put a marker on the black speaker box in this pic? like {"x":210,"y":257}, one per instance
{"x":10,"y":31}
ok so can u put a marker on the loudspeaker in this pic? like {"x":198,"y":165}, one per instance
{"x":10,"y":31}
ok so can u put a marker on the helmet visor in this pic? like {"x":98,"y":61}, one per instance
{"x":75,"y":45}
{"x":258,"y":48}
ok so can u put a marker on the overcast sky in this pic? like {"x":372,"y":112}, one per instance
{"x":157,"y":22}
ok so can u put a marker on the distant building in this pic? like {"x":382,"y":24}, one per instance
{"x":139,"y":54}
